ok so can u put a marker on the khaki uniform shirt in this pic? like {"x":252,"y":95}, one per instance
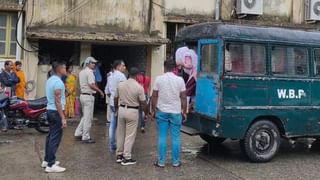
{"x":86,"y":77}
{"x":130,"y":93}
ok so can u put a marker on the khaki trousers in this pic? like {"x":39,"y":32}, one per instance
{"x":83,"y":129}
{"x":128,"y":120}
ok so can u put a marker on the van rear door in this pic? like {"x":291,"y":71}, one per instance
{"x":208,"y":79}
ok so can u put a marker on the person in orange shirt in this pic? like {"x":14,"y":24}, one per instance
{"x":21,"y":86}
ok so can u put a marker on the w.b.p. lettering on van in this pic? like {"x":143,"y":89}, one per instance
{"x":291,"y":93}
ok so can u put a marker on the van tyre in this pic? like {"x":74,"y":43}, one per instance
{"x":212,"y":140}
{"x":261,"y":141}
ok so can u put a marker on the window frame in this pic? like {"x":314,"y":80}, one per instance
{"x":265,"y":45}
{"x":284,"y":45}
{"x":8,"y":29}
{"x":313,"y":64}
{"x":172,"y":46}
{"x":213,"y":70}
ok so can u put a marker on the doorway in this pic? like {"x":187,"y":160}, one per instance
{"x":106,"y":54}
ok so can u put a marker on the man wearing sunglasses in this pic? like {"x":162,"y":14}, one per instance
{"x":88,"y":89}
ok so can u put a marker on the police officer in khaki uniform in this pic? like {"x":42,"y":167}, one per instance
{"x":129,"y":96}
{"x":88,"y":90}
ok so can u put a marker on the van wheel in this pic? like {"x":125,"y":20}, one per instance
{"x":212,"y":140}
{"x":261,"y":141}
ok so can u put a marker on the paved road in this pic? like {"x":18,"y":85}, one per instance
{"x":20,"y":158}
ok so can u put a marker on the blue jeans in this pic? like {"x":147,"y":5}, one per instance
{"x":112,"y":129}
{"x":166,"y":121}
{"x":141,"y":114}
{"x":54,"y":137}
{"x":141,"y":119}
{"x":3,"y":121}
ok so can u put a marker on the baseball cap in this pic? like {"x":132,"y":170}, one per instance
{"x":90,"y":60}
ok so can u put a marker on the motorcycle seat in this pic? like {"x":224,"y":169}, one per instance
{"x":37,"y":103}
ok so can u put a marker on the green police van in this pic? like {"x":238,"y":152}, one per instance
{"x":255,"y":84}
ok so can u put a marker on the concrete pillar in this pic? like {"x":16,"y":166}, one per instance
{"x":157,"y":52}
{"x":157,"y":59}
{"x":30,"y":68}
{"x":42,"y":79}
{"x":19,"y":34}
{"x":298,"y":9}
{"x":227,"y":7}
{"x":85,"y":51}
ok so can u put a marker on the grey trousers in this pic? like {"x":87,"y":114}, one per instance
{"x":83,"y":129}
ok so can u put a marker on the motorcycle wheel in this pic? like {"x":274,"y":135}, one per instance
{"x":43,"y":124}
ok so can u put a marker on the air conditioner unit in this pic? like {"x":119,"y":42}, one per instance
{"x":312,"y":10}
{"x":254,"y":7}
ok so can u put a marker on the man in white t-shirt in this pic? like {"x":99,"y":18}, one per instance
{"x":169,"y":104}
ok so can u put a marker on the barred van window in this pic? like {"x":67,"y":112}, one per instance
{"x":246,"y":59}
{"x":317,"y":61}
{"x":209,"y":62}
{"x":289,"y":61}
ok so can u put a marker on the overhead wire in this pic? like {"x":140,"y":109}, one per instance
{"x":16,"y":30}
{"x":161,"y":6}
{"x":64,"y":14}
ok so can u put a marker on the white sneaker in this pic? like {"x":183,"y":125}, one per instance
{"x":54,"y":169}
{"x":44,"y":164}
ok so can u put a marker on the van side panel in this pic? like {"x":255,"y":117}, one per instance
{"x":288,"y":101}
{"x":236,"y":122}
{"x":247,"y":92}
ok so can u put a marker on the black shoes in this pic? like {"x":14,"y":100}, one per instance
{"x":89,"y":141}
{"x":119,"y":158}
{"x":127,"y":162}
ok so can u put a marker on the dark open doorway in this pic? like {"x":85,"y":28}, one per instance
{"x":106,"y":54}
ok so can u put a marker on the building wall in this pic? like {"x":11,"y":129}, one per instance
{"x":190,"y":7}
{"x":281,"y":8}
{"x":288,"y":13}
{"x":100,"y":15}
{"x":9,"y":5}
{"x":134,"y":17}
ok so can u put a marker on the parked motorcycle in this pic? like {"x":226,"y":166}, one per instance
{"x":25,"y":113}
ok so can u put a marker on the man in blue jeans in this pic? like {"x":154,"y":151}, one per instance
{"x":169,"y":104}
{"x":55,"y":92}
{"x":116,"y":77}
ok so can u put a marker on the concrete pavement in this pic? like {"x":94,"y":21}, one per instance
{"x":22,"y":151}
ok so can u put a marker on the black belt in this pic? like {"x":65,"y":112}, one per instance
{"x":87,"y":94}
{"x":130,"y":107}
